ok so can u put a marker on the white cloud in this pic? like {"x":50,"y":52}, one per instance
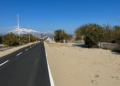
{"x":14,"y":29}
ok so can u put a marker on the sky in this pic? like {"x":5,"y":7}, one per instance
{"x":50,"y":15}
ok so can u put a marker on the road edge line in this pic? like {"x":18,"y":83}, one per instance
{"x":50,"y":75}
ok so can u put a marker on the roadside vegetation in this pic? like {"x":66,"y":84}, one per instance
{"x":91,"y":33}
{"x":61,"y":35}
{"x":11,"y":39}
{"x":94,"y":33}
{"x":0,"y":39}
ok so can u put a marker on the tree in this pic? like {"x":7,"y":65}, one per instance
{"x":81,"y":31}
{"x":58,"y":35}
{"x":25,"y":38}
{"x":69,"y":37}
{"x":108,"y":33}
{"x":116,"y":34}
{"x":10,"y":39}
{"x":61,"y":35}
{"x":78,"y":34}
{"x":93,"y":33}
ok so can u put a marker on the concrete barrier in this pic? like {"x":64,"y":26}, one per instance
{"x":110,"y":46}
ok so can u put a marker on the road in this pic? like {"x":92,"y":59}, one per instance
{"x":25,"y":67}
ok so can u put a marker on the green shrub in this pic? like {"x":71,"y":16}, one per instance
{"x":94,"y":33}
{"x":116,"y":34}
{"x":10,"y":39}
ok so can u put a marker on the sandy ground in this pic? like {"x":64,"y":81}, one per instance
{"x":6,"y":52}
{"x":77,"y":66}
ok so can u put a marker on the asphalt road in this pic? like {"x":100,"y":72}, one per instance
{"x":25,"y":67}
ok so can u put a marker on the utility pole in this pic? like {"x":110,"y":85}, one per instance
{"x":18,"y":26}
{"x":33,"y":34}
{"x":41,"y":36}
{"x":29,"y":33}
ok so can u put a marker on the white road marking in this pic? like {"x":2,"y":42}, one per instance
{"x":19,"y":54}
{"x":4,"y":62}
{"x":26,"y":49}
{"x":50,"y":75}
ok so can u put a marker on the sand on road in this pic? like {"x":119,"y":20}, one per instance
{"x":77,"y":66}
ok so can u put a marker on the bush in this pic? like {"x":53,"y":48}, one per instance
{"x":108,"y":33}
{"x":25,"y":38}
{"x":10,"y":39}
{"x":116,"y":34}
{"x":94,"y":33}
{"x":58,"y":35}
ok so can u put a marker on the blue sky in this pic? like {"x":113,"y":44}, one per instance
{"x":43,"y":15}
